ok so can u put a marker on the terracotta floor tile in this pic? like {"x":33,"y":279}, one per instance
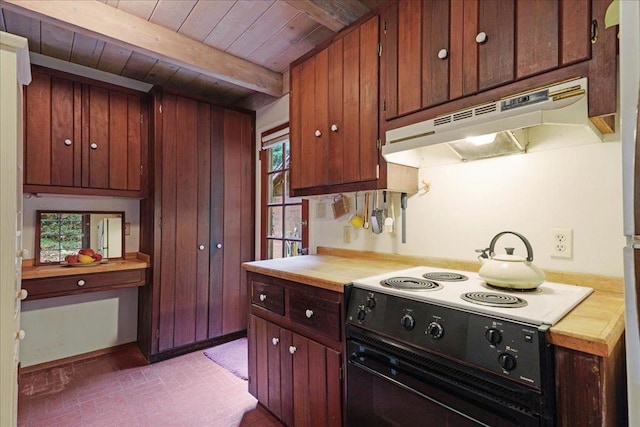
{"x":122,"y":390}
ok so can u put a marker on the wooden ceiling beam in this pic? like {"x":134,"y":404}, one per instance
{"x":95,"y":19}
{"x":334,"y":15}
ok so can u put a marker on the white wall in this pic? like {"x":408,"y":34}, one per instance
{"x":556,"y":184}
{"x":67,"y":326}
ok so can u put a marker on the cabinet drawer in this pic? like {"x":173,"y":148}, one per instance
{"x":317,"y":313}
{"x":68,"y":285}
{"x":269,"y":297}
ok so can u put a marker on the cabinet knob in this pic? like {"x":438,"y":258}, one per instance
{"x":318,"y":133}
{"x":81,"y":282}
{"x":275,"y":340}
{"x":309,"y":314}
{"x":201,"y":247}
{"x":67,"y":142}
{"x":442,"y":53}
{"x":22,"y":294}
{"x":292,"y":349}
{"x":94,"y":146}
{"x":20,"y":334}
{"x":481,"y":37}
{"x":219,"y":246}
{"x":263,"y":297}
{"x":334,"y":127}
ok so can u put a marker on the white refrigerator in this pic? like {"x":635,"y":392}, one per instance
{"x":110,"y":237}
{"x":629,"y":109}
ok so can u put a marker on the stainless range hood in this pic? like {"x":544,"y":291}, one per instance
{"x":506,"y":125}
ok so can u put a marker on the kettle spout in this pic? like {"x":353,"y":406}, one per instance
{"x":484,"y":255}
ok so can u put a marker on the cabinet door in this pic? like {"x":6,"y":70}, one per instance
{"x":316,"y":383}
{"x":52,"y":135}
{"x":490,"y":62}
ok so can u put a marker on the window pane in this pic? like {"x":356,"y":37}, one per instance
{"x":274,"y":221}
{"x":274,"y":248}
{"x":289,"y":199}
{"x":275,"y":187}
{"x":293,"y":221}
{"x":275,"y":157}
{"x":286,"y":154}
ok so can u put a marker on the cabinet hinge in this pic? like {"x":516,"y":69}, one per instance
{"x":379,"y":144}
{"x":160,"y":108}
{"x":158,"y":333}
{"x":259,"y":155}
{"x":384,"y":105}
{"x":141,"y":119}
{"x":378,"y":171}
{"x":141,"y":170}
{"x":384,"y":26}
{"x":341,"y":373}
{"x":379,"y":49}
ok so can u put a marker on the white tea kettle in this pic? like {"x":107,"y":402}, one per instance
{"x":509,"y":270}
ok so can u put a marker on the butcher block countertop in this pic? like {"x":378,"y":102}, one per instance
{"x":132,"y":261}
{"x":594,"y":327}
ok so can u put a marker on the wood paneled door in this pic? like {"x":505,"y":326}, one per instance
{"x":203,"y":215}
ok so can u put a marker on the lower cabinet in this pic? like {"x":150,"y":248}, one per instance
{"x":294,"y":370}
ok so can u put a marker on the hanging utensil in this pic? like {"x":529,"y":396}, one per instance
{"x":376,"y":215}
{"x":388,"y":221}
{"x":365,"y":213}
{"x":356,"y":219}
{"x":403,"y":206}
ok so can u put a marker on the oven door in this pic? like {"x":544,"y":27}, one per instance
{"x":385,"y":389}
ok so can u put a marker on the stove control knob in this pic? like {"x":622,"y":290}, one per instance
{"x":362,"y":313}
{"x":507,"y":361}
{"x":408,"y":322}
{"x":493,"y":335}
{"x":436,"y":330}
{"x":371,"y":303}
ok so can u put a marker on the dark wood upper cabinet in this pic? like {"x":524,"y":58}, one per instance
{"x":333,"y":111}
{"x":436,"y":51}
{"x":84,"y":138}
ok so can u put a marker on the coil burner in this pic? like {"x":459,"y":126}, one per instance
{"x":494,"y":300}
{"x":411,"y":284}
{"x":445,"y":276}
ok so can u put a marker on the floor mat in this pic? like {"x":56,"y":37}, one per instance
{"x":232,"y":356}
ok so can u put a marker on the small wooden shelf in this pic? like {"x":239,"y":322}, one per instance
{"x":47,"y":281}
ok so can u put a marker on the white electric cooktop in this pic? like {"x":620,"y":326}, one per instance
{"x":547,"y":304}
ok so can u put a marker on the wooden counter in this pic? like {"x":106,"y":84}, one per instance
{"x":46,"y":281}
{"x":595,"y":326}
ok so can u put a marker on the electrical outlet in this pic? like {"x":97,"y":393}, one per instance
{"x":561,"y":242}
{"x":346,"y":233}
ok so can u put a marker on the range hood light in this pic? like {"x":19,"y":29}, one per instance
{"x":481,"y":139}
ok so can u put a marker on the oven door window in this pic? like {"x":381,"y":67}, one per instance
{"x":390,"y":393}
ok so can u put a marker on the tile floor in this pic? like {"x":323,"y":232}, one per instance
{"x":121,"y":389}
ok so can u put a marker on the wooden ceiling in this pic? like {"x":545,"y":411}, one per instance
{"x":232,"y":52}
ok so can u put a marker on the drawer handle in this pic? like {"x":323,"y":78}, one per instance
{"x":219,"y":246}
{"x":309,"y":314}
{"x":275,"y":340}
{"x":263,"y":297}
{"x":481,"y":37}
{"x":201,"y":247}
{"x":292,"y":349}
{"x":67,"y":142}
{"x":22,"y":294}
{"x":94,"y":146}
{"x":318,"y":133}
{"x":81,"y":282}
{"x":442,"y":53}
{"x":334,"y":128}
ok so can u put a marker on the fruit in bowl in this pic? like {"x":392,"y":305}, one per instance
{"x":84,"y":256}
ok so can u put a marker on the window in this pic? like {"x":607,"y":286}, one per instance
{"x":284,"y":218}
{"x":61,"y":234}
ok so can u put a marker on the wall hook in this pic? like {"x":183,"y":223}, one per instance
{"x":426,"y":187}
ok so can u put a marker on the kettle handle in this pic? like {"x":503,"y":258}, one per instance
{"x":520,"y":236}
